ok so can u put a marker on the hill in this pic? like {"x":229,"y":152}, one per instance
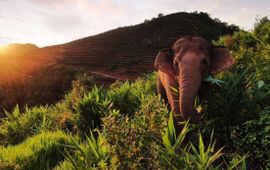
{"x":17,"y":49}
{"x":127,"y":52}
{"x":15,"y":61}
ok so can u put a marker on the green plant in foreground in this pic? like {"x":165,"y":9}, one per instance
{"x":253,"y":137}
{"x":17,"y":126}
{"x":91,"y":108}
{"x":124,"y":99}
{"x":178,"y":154}
{"x":93,"y":153}
{"x":135,"y":139}
{"x":39,"y":152}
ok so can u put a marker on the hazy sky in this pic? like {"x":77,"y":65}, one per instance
{"x":46,"y":22}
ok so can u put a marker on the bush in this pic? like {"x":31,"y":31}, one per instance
{"x":124,"y":99}
{"x":178,"y":154}
{"x":38,"y":152}
{"x":253,"y":137}
{"x":91,"y":108}
{"x":90,"y":154}
{"x":135,"y":140}
{"x":245,"y":94}
{"x":18,"y":126}
{"x":127,"y":97}
{"x":262,"y":29}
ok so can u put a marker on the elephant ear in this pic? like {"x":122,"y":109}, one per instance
{"x":221,"y":60}
{"x":164,"y":61}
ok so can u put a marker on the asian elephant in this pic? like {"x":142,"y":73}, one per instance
{"x":184,"y":66}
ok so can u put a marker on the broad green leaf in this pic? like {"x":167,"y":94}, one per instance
{"x":260,"y":84}
{"x":213,"y":80}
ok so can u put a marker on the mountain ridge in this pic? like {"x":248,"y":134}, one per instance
{"x":128,"y":52}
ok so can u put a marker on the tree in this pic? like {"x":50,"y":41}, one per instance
{"x":160,"y":15}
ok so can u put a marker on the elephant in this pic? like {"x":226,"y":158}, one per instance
{"x":183,"y":67}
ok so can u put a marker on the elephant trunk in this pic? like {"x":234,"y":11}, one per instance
{"x":189,"y":85}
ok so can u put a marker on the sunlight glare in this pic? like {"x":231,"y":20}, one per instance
{"x":2,"y":49}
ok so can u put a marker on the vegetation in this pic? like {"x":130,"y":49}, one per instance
{"x":42,"y":151}
{"x":127,"y":126}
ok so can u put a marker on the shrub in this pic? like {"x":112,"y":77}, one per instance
{"x":239,"y":41}
{"x":145,"y":85}
{"x":262,"y":29}
{"x":91,"y":108}
{"x":38,"y":152}
{"x":124,"y":99}
{"x":246,"y":92}
{"x":90,"y":154}
{"x":80,"y":86}
{"x":18,"y":126}
{"x":253,"y":137}
{"x":178,"y":154}
{"x":65,"y":165}
{"x":135,"y":140}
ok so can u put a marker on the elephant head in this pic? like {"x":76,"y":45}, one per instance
{"x":188,"y":62}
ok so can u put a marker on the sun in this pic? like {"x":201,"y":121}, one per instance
{"x":2,"y":49}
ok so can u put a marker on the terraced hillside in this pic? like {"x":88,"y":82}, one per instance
{"x":127,"y":52}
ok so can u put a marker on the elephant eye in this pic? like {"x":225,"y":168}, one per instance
{"x":204,"y":64}
{"x":206,"y":61}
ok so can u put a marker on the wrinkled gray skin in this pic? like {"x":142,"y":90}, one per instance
{"x":183,"y":67}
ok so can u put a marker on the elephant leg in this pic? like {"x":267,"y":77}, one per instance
{"x":161,"y":90}
{"x":173,"y":100}
{"x":164,"y":85}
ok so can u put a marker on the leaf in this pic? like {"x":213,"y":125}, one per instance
{"x":174,"y":90}
{"x":260,"y":84}
{"x":213,"y":80}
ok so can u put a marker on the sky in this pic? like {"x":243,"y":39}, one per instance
{"x":48,"y":22}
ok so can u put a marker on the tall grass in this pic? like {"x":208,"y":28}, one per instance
{"x":42,"y":151}
{"x":93,"y":153}
{"x":91,"y":108}
{"x":180,"y":154}
{"x":17,"y":126}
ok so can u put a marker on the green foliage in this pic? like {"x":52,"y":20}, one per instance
{"x":38,"y":152}
{"x":91,"y":108}
{"x":253,"y":137}
{"x":81,"y":85}
{"x":235,"y":102}
{"x":124,"y":99}
{"x":65,"y":165}
{"x":18,"y":126}
{"x":178,"y":154}
{"x":262,"y":29}
{"x":93,"y":153}
{"x":128,"y":96}
{"x":244,"y":95}
{"x":135,"y":140}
